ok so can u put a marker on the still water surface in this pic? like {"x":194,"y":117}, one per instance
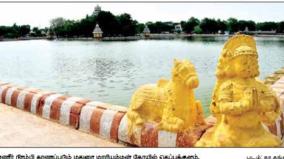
{"x":112,"y":71}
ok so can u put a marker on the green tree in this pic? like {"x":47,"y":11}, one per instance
{"x":67,"y":28}
{"x":266,"y":26}
{"x":24,"y":30}
{"x":13,"y":31}
{"x":197,"y":30}
{"x":87,"y":25}
{"x":56,"y":26}
{"x":209,"y":25}
{"x":36,"y":32}
{"x":3,"y":31}
{"x":222,"y":26}
{"x":140,"y":28}
{"x":108,"y":23}
{"x":280,"y":27}
{"x":159,"y":27}
{"x":127,"y":26}
{"x":188,"y":26}
{"x":233,"y":25}
{"x":152,"y":27}
{"x":57,"y":22}
{"x":70,"y":28}
{"x":243,"y":24}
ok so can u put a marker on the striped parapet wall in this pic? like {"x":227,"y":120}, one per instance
{"x":278,"y":127}
{"x":101,"y":119}
{"x":26,"y":99}
{"x":62,"y":109}
{"x":89,"y":116}
{"x":150,"y":136}
{"x":109,"y":121}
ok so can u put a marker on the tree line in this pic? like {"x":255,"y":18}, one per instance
{"x":232,"y":25}
{"x":111,"y":25}
{"x":16,"y":31}
{"x":125,"y":25}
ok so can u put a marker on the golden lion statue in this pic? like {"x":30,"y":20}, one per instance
{"x":240,"y":102}
{"x":170,"y":103}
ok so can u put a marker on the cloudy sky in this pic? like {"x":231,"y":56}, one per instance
{"x":40,"y":14}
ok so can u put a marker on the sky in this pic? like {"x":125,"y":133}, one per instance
{"x":40,"y":14}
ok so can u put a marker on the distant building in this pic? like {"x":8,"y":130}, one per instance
{"x":246,"y":29}
{"x":97,"y":10}
{"x":269,"y":32}
{"x":97,"y":33}
{"x":43,"y":33}
{"x":178,"y":28}
{"x":146,"y":31}
{"x":50,"y":35}
{"x":32,"y":33}
{"x":226,"y":33}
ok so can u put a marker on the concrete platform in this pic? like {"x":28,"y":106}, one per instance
{"x":23,"y":129}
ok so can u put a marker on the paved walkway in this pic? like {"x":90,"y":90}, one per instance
{"x":22,"y":129}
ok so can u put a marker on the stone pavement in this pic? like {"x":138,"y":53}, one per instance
{"x":23,"y":129}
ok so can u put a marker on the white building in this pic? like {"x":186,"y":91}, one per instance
{"x":97,"y":10}
{"x":178,"y":28}
{"x":146,"y":31}
{"x":97,"y":33}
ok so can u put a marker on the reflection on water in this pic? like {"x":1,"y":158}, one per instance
{"x":112,"y":71}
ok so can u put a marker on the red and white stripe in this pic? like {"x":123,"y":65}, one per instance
{"x":65,"y":109}
{"x":122,"y":130}
{"x":167,"y":139}
{"x":21,"y":99}
{"x":107,"y":121}
{"x":3,"y":90}
{"x":278,"y":88}
{"x":32,"y":100}
{"x":150,"y":136}
{"x":25,"y":99}
{"x":277,"y":128}
{"x":8,"y":97}
{"x":10,"y":94}
{"x":55,"y":106}
{"x":86,"y":114}
{"x":100,"y":120}
{"x":75,"y":112}
{"x":13,"y":95}
{"x":46,"y":109}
